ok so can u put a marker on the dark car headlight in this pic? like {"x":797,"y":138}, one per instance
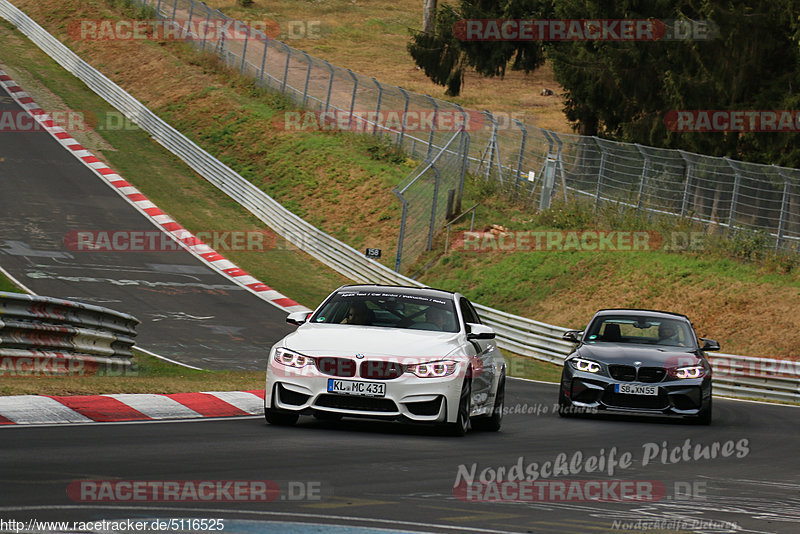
{"x":693,"y":371}
{"x":586,"y":366}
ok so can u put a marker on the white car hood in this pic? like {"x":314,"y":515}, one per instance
{"x":349,"y":340}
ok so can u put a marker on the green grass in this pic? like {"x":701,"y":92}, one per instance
{"x":8,"y":285}
{"x":147,"y":375}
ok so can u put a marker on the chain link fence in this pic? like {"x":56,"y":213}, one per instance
{"x":431,"y":196}
{"x":523,"y":161}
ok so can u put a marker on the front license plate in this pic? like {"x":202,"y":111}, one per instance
{"x":362,"y":389}
{"x":636,"y":389}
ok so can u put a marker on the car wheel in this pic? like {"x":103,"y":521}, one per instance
{"x":461,"y":426}
{"x":704,"y":417}
{"x":492,"y":423}
{"x":277,"y":417}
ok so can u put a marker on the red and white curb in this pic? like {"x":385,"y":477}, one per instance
{"x":163,"y":221}
{"x":45,"y":409}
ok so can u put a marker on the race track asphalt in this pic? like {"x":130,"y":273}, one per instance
{"x":189,"y":312}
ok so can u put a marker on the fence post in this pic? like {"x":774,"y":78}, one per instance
{"x":560,"y":163}
{"x":286,"y":67}
{"x":403,"y":122}
{"x":264,"y":61}
{"x":189,"y":24}
{"x":205,"y":28}
{"x":548,"y":181}
{"x":642,"y":183}
{"x":308,"y":77}
{"x":402,"y":230}
{"x":688,"y":185}
{"x":330,"y":86}
{"x":492,"y":142}
{"x":433,"y":206}
{"x":433,"y":126}
{"x":600,"y":173}
{"x":521,"y":153}
{"x":378,"y":107}
{"x":464,"y":154}
{"x":353,"y":97}
{"x":243,"y":65}
{"x":735,"y":194}
{"x":784,"y":208}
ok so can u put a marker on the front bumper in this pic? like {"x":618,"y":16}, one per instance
{"x":593,"y":392}
{"x":407,"y":398}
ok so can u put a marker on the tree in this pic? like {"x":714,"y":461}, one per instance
{"x":624,"y":89}
{"x":444,"y":57}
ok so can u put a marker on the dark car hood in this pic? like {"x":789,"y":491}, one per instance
{"x":649,"y":355}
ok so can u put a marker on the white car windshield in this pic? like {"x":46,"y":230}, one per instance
{"x":390,"y":310}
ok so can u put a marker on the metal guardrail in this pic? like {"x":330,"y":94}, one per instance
{"x":43,"y":335}
{"x":514,"y":333}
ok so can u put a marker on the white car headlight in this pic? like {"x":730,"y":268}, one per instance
{"x":586,"y":366}
{"x":694,"y":371}
{"x":436,"y":369}
{"x":292,"y":359}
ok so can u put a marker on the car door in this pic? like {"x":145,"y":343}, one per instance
{"x":483,"y":365}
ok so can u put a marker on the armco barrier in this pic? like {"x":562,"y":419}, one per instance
{"x":517,"y":334}
{"x":49,"y":336}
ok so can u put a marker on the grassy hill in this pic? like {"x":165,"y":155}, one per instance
{"x":342,"y":183}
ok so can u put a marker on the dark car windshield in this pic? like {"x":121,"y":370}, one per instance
{"x":391,"y":310}
{"x":644,"y":329}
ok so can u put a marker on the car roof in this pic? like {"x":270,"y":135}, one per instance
{"x":400,"y":290}
{"x":633,"y":312}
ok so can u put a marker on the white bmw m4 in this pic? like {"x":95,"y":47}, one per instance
{"x":386,"y":352}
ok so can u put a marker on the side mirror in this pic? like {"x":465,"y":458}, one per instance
{"x":709,"y":344}
{"x":572,"y":335}
{"x":479,"y":331}
{"x":297,"y":318}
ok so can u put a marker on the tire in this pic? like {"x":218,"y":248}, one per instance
{"x":279,"y":418}
{"x":462,"y":424}
{"x":492,"y":423}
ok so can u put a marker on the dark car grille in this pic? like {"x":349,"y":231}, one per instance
{"x":425,"y":407}
{"x":627,"y":373}
{"x":342,"y":367}
{"x":363,"y":404}
{"x":370,"y":369}
{"x":651,"y":374}
{"x":291,"y":397}
{"x":645,"y":402}
{"x":380,"y":370}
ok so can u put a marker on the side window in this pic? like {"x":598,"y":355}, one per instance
{"x":468,"y":312}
